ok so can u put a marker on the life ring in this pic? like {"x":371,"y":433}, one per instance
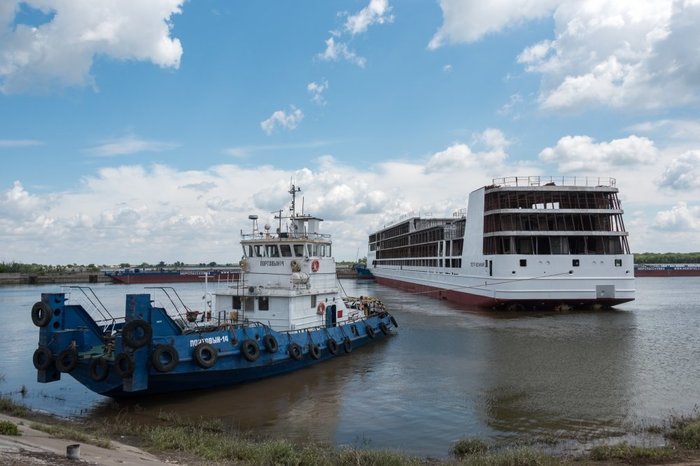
{"x":99,"y":369}
{"x":315,"y":264}
{"x":250,"y":350}
{"x":205,"y":355}
{"x":165,"y":358}
{"x":294,"y":351}
{"x":383,"y":328}
{"x":124,"y":365}
{"x":370,"y":331}
{"x":347,"y":345}
{"x":136,"y":333}
{"x":43,"y":358}
{"x":270,"y":343}
{"x":332,"y":346}
{"x":41,"y":314}
{"x":393,"y":322}
{"x":67,"y":360}
{"x":314,"y":351}
{"x":320,"y":308}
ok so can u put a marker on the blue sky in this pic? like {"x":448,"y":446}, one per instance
{"x":148,"y":131}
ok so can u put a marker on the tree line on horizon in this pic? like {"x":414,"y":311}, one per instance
{"x":19,"y":267}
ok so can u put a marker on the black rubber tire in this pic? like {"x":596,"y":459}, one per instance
{"x":270,"y":343}
{"x":67,"y":360}
{"x":43,"y":358}
{"x":332,"y":346}
{"x":347,"y":345}
{"x":383,"y":328}
{"x":393,"y":322}
{"x":250,"y":350}
{"x":314,"y":351}
{"x":370,"y":331}
{"x":41,"y":314}
{"x":295,"y":351}
{"x":124,"y":365}
{"x":205,"y":355}
{"x":172,"y":358}
{"x":99,"y":369}
{"x":136,"y":333}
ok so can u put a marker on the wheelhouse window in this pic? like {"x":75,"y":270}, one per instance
{"x":286,"y":250}
{"x":299,"y":250}
{"x":271,"y":250}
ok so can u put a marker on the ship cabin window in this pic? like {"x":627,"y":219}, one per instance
{"x":286,"y":250}
{"x":523,"y":262}
{"x":618,"y":262}
{"x":263,"y":303}
{"x":271,"y":250}
{"x":575,"y":262}
{"x":299,"y":250}
{"x":236,"y":303}
{"x":259,"y":250}
{"x":249,"y":304}
{"x":313,"y":300}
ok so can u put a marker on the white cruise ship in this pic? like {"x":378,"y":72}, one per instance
{"x":523,"y":243}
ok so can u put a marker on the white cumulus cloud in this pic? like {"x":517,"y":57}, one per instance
{"x":377,"y":12}
{"x":336,"y":51}
{"x":680,"y":218}
{"x":583,"y":154}
{"x":683,"y":172}
{"x":60,"y":52}
{"x":316,"y":90}
{"x":281,"y":119}
{"x":622,"y":54}
{"x":460,"y":156}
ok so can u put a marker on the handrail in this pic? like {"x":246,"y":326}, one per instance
{"x":554,"y":181}
{"x":96,"y":307}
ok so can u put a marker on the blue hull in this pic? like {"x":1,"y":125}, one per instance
{"x":150,"y":353}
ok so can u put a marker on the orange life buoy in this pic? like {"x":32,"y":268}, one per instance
{"x":320,"y":308}
{"x":315,"y":264}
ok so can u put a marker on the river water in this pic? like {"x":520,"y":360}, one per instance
{"x":450,"y":372}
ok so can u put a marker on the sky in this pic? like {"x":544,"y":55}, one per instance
{"x":135,"y":131}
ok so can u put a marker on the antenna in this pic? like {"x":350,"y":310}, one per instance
{"x":293,"y":190}
{"x":279,"y":217}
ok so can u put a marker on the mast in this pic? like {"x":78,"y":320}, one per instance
{"x":293,"y":190}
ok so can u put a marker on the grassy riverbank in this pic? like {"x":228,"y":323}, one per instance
{"x":207,"y":442}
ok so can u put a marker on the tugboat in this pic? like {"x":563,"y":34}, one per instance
{"x":284,"y":313}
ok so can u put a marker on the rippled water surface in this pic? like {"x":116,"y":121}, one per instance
{"x":450,"y":372}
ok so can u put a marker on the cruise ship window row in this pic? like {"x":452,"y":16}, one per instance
{"x":551,"y":200}
{"x":554,"y":222}
{"x":287,"y":250}
{"x":556,"y":245}
{"x":425,"y":262}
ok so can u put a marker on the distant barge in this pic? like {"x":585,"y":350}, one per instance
{"x":149,"y":276}
{"x":667,"y":270}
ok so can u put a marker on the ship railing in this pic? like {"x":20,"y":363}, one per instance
{"x":285,"y":235}
{"x":529,"y":181}
{"x":183,"y":313}
{"x":94,"y":307}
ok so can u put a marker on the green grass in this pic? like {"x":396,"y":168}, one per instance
{"x":69,"y":433}
{"x":9,"y":428}
{"x":8,"y":406}
{"x":631,"y":453}
{"x":519,"y":456}
{"x":468,"y":447}
{"x":686,"y":432}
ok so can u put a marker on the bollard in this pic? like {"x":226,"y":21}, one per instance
{"x":73,"y":451}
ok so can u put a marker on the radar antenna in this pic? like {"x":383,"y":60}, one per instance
{"x":293,"y":190}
